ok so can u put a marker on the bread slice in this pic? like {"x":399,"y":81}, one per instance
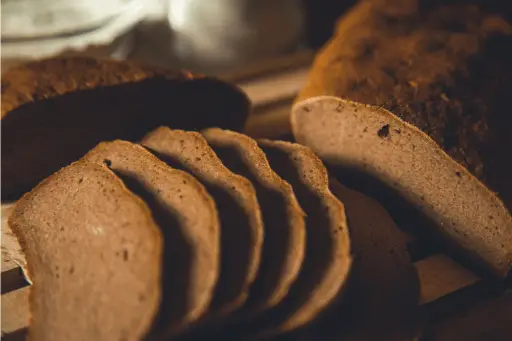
{"x":376,"y":142}
{"x":94,"y":255}
{"x":285,"y":242}
{"x":239,"y":211}
{"x":328,"y":258}
{"x":56,"y":110}
{"x":189,"y":223}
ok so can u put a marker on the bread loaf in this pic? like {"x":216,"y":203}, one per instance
{"x":54,"y":111}
{"x":440,"y":71}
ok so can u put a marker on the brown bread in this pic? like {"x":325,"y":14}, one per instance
{"x":328,"y":258}
{"x":188,"y":219}
{"x":442,"y":67}
{"x":55,"y":110}
{"x":466,"y":213}
{"x":284,"y":246}
{"x":94,"y":255}
{"x":239,"y":211}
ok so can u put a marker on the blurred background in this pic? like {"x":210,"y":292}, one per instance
{"x":210,"y":36}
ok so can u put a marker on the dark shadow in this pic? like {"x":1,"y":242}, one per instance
{"x":177,"y":255}
{"x":18,"y":335}
{"x":236,"y":237}
{"x":13,"y":279}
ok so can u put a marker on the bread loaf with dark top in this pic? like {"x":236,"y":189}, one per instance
{"x":409,"y":100}
{"x":442,"y":66}
{"x":55,"y":110}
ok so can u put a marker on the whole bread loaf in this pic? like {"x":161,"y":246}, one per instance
{"x":53,"y":111}
{"x":443,"y":66}
{"x":415,"y":95}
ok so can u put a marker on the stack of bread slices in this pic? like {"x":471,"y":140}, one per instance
{"x":182,"y":232}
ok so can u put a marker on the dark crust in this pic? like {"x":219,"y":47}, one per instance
{"x":53,"y":77}
{"x":444,"y":69}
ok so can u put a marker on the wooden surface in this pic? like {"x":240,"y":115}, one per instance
{"x":272,"y":89}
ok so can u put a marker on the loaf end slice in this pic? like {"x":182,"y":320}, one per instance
{"x":94,"y":254}
{"x":376,"y":142}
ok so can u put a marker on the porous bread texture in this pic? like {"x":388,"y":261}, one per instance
{"x":283,"y":218}
{"x":240,"y":215}
{"x":328,"y":258}
{"x":55,"y":110}
{"x":82,"y":231}
{"x":375,"y":141}
{"x":189,"y":222}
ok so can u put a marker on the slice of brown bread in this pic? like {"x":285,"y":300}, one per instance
{"x":327,"y":262}
{"x":189,"y":222}
{"x":94,"y":255}
{"x":55,"y":110}
{"x":376,"y":142}
{"x":285,"y":242}
{"x":239,"y":211}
